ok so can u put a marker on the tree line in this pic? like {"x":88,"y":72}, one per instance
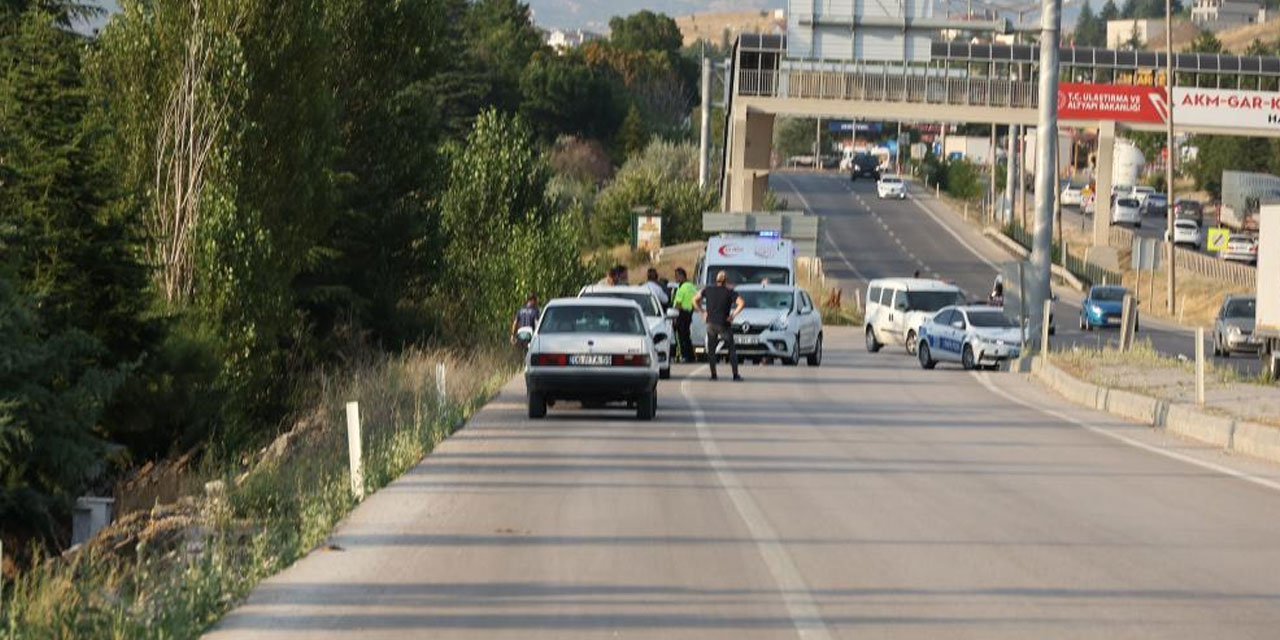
{"x":211,"y":198}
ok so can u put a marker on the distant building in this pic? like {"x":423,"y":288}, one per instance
{"x":1121,"y":32}
{"x":724,"y":28}
{"x":1216,"y":15}
{"x":563,"y":40}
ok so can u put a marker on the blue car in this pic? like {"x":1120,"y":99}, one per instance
{"x":1104,"y":307}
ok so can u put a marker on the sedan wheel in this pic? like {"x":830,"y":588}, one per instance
{"x":665,"y":373}
{"x":647,"y":406}
{"x":815,"y":358}
{"x":967,"y":360}
{"x":537,"y":406}
{"x":926,"y":358}
{"x":794,"y":358}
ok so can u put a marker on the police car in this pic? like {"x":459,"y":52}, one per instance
{"x":974,"y":336}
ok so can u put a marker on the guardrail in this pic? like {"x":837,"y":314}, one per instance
{"x":1086,"y":272}
{"x":1201,"y":264}
{"x":857,"y":82}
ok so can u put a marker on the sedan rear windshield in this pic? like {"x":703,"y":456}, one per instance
{"x":616,"y":320}
{"x":1109,"y":294}
{"x":932,"y":300}
{"x":1127,"y":202}
{"x":767,"y":299}
{"x":1243,"y":308}
{"x":646,"y":301}
{"x":988,"y":319}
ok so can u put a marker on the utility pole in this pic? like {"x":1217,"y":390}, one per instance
{"x":704,"y":137}
{"x":817,"y":144}
{"x":1172,"y":267}
{"x":1010,"y":166}
{"x":1047,"y":152}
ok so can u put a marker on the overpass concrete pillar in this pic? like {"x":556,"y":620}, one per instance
{"x":750,"y":148}
{"x":1102,"y":254}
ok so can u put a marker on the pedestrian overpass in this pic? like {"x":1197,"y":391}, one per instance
{"x":993,"y":84}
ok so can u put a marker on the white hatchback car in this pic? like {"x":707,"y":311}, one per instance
{"x":1185,"y":233}
{"x":891,"y":187}
{"x":975,"y":337}
{"x":1072,"y":195}
{"x":1126,"y":210}
{"x":593,"y":350}
{"x":660,"y":328}
{"x":778,"y":322}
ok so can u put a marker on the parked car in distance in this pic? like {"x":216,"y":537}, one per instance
{"x":1234,"y":325}
{"x":1072,"y":195}
{"x":1189,"y":209}
{"x":778,"y":322}
{"x":1104,"y":307}
{"x":974,"y":336}
{"x":658,"y":322}
{"x":1126,"y":210}
{"x":593,"y":350}
{"x":1141,"y":192}
{"x":891,"y":187}
{"x":1241,"y":248}
{"x":1156,"y":204}
{"x":1186,"y":233}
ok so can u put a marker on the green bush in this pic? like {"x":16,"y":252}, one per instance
{"x":963,"y":180}
{"x":664,"y":177}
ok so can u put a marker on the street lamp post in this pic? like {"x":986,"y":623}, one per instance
{"x":1172,"y":267}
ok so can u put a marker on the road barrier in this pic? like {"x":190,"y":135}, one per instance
{"x":1087,"y":272}
{"x":1191,"y":261}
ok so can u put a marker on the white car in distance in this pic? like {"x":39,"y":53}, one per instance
{"x":1126,"y":210}
{"x":593,"y":350}
{"x":974,"y":336}
{"x":1072,"y":195}
{"x":1141,"y":192}
{"x":778,"y":322}
{"x":1186,"y":233}
{"x":891,"y":187}
{"x":658,"y":322}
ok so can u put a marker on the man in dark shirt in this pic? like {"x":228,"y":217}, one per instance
{"x":719,"y":305}
{"x":526,"y":316}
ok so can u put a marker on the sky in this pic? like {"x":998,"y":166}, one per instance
{"x":593,"y":15}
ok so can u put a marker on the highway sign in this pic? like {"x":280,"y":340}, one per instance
{"x":1217,"y":239}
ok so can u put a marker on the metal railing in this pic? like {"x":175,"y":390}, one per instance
{"x":1191,"y":261}
{"x":857,"y":82}
{"x":1088,"y":272}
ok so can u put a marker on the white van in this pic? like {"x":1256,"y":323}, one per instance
{"x":896,"y":307}
{"x":746,"y":259}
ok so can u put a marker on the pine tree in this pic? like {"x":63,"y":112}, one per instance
{"x":631,"y":135}
{"x":1109,"y":12}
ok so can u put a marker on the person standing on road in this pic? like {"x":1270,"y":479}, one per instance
{"x":659,"y":291}
{"x":683,"y":303}
{"x":526,"y":316}
{"x":719,"y":306}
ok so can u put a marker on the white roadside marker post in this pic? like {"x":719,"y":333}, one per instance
{"x":1200,"y":366}
{"x":1125,"y":314}
{"x":1044,"y":330}
{"x":354,"y":450}
{"x":440,"y":383}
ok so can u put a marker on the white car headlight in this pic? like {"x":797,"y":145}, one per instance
{"x":1235,"y":331}
{"x":1096,"y":309}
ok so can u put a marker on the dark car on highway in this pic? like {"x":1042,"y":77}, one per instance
{"x":864,"y":165}
{"x":1189,"y":209}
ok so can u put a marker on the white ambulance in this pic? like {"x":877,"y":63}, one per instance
{"x":746,"y":258}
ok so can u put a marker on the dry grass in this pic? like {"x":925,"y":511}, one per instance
{"x":173,"y":570}
{"x":1198,"y":298}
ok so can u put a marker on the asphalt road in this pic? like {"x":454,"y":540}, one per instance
{"x":870,"y":238}
{"x":863,"y":499}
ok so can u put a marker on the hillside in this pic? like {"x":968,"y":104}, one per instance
{"x":713,"y":27}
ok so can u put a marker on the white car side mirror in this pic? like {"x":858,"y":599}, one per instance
{"x":958,"y":324}
{"x":524,"y":334}
{"x":673,"y":313}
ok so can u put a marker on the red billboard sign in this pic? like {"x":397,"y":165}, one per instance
{"x":1122,"y":103}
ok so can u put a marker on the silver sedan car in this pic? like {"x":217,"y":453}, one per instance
{"x":1233,"y":328}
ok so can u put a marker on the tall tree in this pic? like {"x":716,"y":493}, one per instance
{"x":1089,"y":31}
{"x":1206,"y":42}
{"x":501,"y":39}
{"x":563,"y":94}
{"x":645,"y":31}
{"x":1109,"y":12}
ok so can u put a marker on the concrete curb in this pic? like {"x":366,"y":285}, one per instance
{"x":1249,"y":438}
{"x":1008,"y":244}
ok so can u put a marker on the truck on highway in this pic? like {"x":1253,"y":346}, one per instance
{"x":1242,"y":195}
{"x":1267,"y":323}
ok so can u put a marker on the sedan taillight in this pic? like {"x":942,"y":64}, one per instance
{"x":550,"y":359}
{"x":631,"y":360}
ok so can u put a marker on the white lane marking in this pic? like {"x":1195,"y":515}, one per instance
{"x":840,"y":254}
{"x":953,"y":233}
{"x":1204,"y":464}
{"x":801,"y":606}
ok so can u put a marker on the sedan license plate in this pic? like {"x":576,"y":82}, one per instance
{"x":591,"y":360}
{"x":748,"y":340}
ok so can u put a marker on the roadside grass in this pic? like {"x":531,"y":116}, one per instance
{"x":1198,"y":298}
{"x":1092,"y":365}
{"x":193,"y":559}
